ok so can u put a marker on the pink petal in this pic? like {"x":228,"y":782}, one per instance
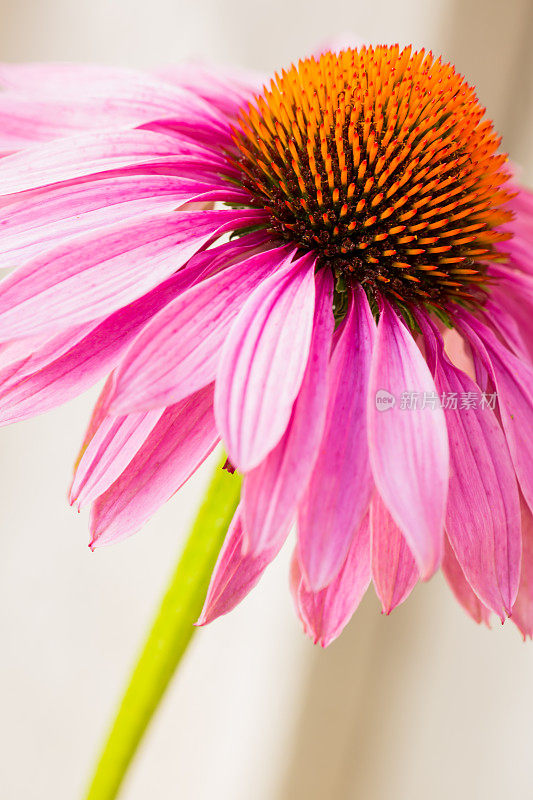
{"x":122,"y":100}
{"x":341,"y":484}
{"x":483,"y":514}
{"x":131,"y":88}
{"x":183,"y":438}
{"x":178,"y":352}
{"x":80,"y":156}
{"x":95,"y":274}
{"x":521,"y":228}
{"x":113,"y":446}
{"x":509,"y":294}
{"x":98,"y":415}
{"x":235,"y":573}
{"x":271,"y":492}
{"x":23,"y":357}
{"x":90,"y":96}
{"x":394,"y":570}
{"x":461,"y":588}
{"x":29,"y":226}
{"x":70,"y":362}
{"x":229,"y":90}
{"x":14,"y":351}
{"x":513,"y":379}
{"x":263,"y":362}
{"x":28,"y":119}
{"x":408,"y":447}
{"x":522,"y":614}
{"x":325,"y":613}
{"x":507,"y":325}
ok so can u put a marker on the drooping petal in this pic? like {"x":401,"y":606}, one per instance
{"x":98,"y":415}
{"x":408,"y":446}
{"x":14,"y":351}
{"x":522,"y":615}
{"x":513,"y":379}
{"x":262,"y":363}
{"x":235,"y":574}
{"x":224,"y":88}
{"x":22,"y":357}
{"x":325,"y":613}
{"x":33,"y":114}
{"x":518,"y":246}
{"x":70,"y":362}
{"x":461,"y":588}
{"x":509,"y":293}
{"x":102,"y":96}
{"x":341,"y":484}
{"x":483,"y":513}
{"x":95,"y":274}
{"x":507,"y":325}
{"x":178,"y":352}
{"x":112,"y":447}
{"x":394,"y":570}
{"x":27,"y":228}
{"x":80,"y":156}
{"x":271,"y":492}
{"x":181,"y":440}
{"x":28,"y":119}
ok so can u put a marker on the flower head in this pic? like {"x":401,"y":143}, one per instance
{"x":333,"y":274}
{"x":381,"y":163}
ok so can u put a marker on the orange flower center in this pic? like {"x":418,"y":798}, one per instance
{"x":380,"y":160}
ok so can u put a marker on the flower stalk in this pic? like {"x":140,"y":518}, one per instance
{"x":170,"y":635}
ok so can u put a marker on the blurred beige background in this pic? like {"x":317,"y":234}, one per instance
{"x":423,"y":704}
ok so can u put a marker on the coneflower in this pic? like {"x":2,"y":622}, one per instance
{"x":333,"y":275}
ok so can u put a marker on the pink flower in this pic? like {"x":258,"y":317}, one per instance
{"x":362,"y":342}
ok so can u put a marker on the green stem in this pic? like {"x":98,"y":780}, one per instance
{"x":171,"y":633}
